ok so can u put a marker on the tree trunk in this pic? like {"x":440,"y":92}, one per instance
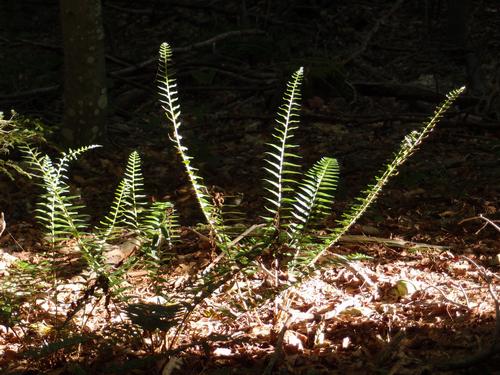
{"x":85,"y":96}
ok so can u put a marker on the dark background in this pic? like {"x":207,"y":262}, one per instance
{"x":373,"y":72}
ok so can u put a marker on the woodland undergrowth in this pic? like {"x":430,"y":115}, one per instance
{"x":283,"y":247}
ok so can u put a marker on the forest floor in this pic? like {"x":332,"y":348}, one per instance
{"x":433,"y":255}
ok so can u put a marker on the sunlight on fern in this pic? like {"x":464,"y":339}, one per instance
{"x":314,"y":197}
{"x":280,"y":167}
{"x":169,"y":101}
{"x":406,"y":149}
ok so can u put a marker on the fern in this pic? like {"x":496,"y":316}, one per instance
{"x":58,"y":211}
{"x":16,"y":132}
{"x":124,"y":213}
{"x":161,"y":228}
{"x":314,"y":197}
{"x":169,"y":100}
{"x":279,"y":167}
{"x":135,"y":181}
{"x":407,"y":147}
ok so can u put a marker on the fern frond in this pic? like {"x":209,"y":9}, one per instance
{"x":314,"y":197}
{"x":161,"y":225}
{"x":406,"y":149}
{"x":127,"y":201}
{"x":169,"y":101}
{"x":280,"y":168}
{"x":135,"y":181}
{"x":58,"y":211}
{"x":161,"y":230}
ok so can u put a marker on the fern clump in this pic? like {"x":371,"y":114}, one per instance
{"x":130,"y":227}
{"x":294,"y":205}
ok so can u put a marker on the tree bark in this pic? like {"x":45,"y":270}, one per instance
{"x":85,"y":94}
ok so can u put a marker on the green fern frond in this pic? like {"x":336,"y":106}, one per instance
{"x":113,"y":219}
{"x":314,"y":197}
{"x":406,"y":149}
{"x":58,"y":210}
{"x":279,"y":167}
{"x":161,"y":231}
{"x":161,"y":225}
{"x":135,"y":181}
{"x":127,"y":201}
{"x":169,"y":101}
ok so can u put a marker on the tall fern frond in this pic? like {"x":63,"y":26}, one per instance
{"x":406,"y":149}
{"x":314,"y":196}
{"x":280,"y":167}
{"x":127,"y":201}
{"x":134,"y":179}
{"x":115,"y":216}
{"x":169,"y":100}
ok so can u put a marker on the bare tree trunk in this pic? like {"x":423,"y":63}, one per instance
{"x":85,"y":96}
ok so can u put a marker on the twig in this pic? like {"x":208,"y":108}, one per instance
{"x":390,"y":242}
{"x":28,"y":93}
{"x":487,"y":221}
{"x":3,"y":223}
{"x":443,"y":294}
{"x":246,"y":233}
{"x":357,"y":270}
{"x":492,"y":223}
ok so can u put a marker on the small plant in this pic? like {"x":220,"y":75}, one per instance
{"x":13,"y":133}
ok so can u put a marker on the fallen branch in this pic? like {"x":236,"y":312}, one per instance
{"x":391,"y":242}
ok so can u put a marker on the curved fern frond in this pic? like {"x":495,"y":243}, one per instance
{"x":280,"y":168}
{"x":58,"y":211}
{"x":406,"y":149}
{"x":314,"y":197}
{"x":169,"y":101}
